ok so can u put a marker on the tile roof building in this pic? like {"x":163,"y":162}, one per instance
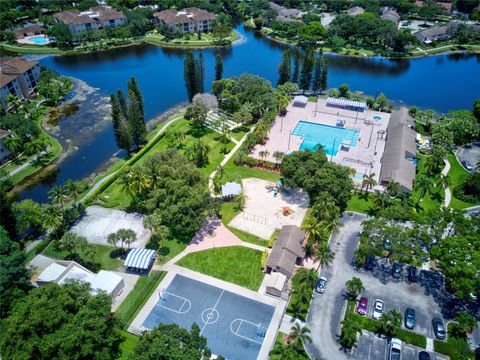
{"x":356,"y":10}
{"x":288,"y":251}
{"x":191,"y":20}
{"x":97,"y":17}
{"x":445,"y":5}
{"x":29,"y":30}
{"x":18,"y":77}
{"x":400,"y":150}
{"x":283,"y":13}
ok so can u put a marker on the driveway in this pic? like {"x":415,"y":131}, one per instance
{"x":326,"y":310}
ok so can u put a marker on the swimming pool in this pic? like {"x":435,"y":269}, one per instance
{"x":330,"y":137}
{"x":38,"y":40}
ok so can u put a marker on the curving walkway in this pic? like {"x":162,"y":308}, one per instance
{"x":448,"y":193}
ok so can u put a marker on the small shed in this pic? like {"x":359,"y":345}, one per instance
{"x":231,"y":189}
{"x":139,"y":259}
{"x":275,"y":284}
{"x":300,"y":101}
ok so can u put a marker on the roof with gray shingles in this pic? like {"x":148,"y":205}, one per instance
{"x":287,"y":248}
{"x":400,"y":144}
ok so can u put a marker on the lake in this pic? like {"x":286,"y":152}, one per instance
{"x":441,"y":82}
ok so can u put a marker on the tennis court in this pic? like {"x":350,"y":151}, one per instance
{"x":234,"y":325}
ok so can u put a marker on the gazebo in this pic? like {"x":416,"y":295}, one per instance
{"x":139,"y":259}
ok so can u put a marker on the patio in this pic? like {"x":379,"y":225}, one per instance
{"x":364,"y":157}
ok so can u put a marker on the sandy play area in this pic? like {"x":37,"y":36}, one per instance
{"x":99,"y":222}
{"x":263,"y":212}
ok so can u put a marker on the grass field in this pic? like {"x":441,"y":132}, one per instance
{"x":143,"y":289}
{"x":174,"y":246}
{"x":457,"y":175}
{"x":236,"y":173}
{"x":103,"y":256}
{"x":429,"y":201}
{"x":236,"y":264}
{"x":128,"y":344}
{"x":114,"y":196}
{"x":360,"y":204}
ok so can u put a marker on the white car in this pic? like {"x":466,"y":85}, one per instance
{"x":377,"y":309}
{"x":395,"y":352}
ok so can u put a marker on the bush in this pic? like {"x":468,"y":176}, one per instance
{"x":263,"y":260}
{"x":272,"y":239}
{"x":469,"y":191}
{"x":164,"y":251}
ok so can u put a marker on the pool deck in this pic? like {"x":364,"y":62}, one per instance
{"x":364,"y":158}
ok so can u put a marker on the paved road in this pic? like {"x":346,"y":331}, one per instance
{"x":326,"y":310}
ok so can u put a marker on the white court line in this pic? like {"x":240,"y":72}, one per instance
{"x":241,"y":321}
{"x":214,"y":306}
{"x":179,"y":311}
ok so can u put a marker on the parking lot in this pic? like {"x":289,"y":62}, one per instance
{"x":470,"y":153}
{"x":372,"y":347}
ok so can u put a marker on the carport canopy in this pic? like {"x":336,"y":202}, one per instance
{"x":345,"y":103}
{"x":139,"y":258}
{"x":231,"y":189}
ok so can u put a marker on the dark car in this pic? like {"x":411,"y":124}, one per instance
{"x":467,"y":165}
{"x":410,"y":318}
{"x":362,"y":306}
{"x":396,"y":270}
{"x":423,"y":355}
{"x":321,"y":285}
{"x":370,"y":263}
{"x":412,"y":274}
{"x":438,"y":328}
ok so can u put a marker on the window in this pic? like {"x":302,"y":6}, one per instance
{"x":112,"y":22}
{"x":88,"y":26}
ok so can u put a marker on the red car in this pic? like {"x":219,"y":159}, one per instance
{"x":362,"y":306}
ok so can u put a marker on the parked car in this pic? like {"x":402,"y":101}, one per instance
{"x":377,"y":309}
{"x":362,"y":306}
{"x":321,"y":285}
{"x":423,"y":355}
{"x":370,"y":263}
{"x":410,"y":318}
{"x":468,"y":165}
{"x":438,"y":328}
{"x":396,"y":270}
{"x":412,"y":274}
{"x":395,"y":352}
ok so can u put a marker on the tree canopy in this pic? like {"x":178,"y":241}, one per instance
{"x":60,"y":323}
{"x":311,"y":171}
{"x":170,"y":342}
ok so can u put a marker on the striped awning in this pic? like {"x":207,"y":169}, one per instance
{"x":347,"y":103}
{"x":139,"y":258}
{"x":231,"y":189}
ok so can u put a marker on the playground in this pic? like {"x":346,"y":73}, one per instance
{"x":269,"y":206}
{"x":234,"y":325}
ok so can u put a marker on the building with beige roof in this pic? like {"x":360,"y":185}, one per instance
{"x":18,"y":77}
{"x":191,"y":20}
{"x":97,"y":17}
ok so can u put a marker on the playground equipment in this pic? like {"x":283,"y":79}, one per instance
{"x":286,"y":210}
{"x":278,"y":187}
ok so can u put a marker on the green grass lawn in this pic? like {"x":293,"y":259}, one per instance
{"x":128,"y":344}
{"x":360,"y":204}
{"x":429,"y":201}
{"x":143,"y":289}
{"x":457,"y":175}
{"x":114,"y":196}
{"x":175,"y":247}
{"x":237,"y":173}
{"x":236,"y":264}
{"x":103,"y":256}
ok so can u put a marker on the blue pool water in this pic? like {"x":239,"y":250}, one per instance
{"x":38,"y":40}
{"x":330,"y":137}
{"x":377,"y":118}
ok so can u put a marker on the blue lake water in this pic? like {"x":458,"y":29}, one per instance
{"x":440,"y":82}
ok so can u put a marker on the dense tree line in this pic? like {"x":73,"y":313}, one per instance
{"x":128,"y":117}
{"x":60,"y":323}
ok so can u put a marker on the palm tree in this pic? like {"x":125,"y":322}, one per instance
{"x":135,"y":182}
{"x":325,"y":207}
{"x":35,"y":146}
{"x":390,"y":322}
{"x":445,"y":180}
{"x":283,"y":351}
{"x":198,"y":152}
{"x":13,"y":143}
{"x":112,"y":239}
{"x":12,"y":100}
{"x":220,"y":171}
{"x":464,"y":324}
{"x":299,"y":335}
{"x":127,"y":236}
{"x":302,"y":295}
{"x":313,"y":228}
{"x":282,"y":104}
{"x":153,"y":221}
{"x":58,"y":195}
{"x":369,"y":181}
{"x":162,"y":234}
{"x":72,"y":188}
{"x":263,"y":154}
{"x":423,"y":186}
{"x":52,"y":218}
{"x":380,"y":200}
{"x":278,"y":156}
{"x":393,"y":188}
{"x":89,"y":252}
{"x":354,"y":287}
{"x":308,"y":277}
{"x":333,"y":225}
{"x":69,"y":242}
{"x":350,"y":328}
{"x":323,"y":255}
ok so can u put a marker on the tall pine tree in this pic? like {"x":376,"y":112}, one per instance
{"x":190,"y":75}
{"x":218,"y":66}
{"x":307,"y":67}
{"x":284,"y":69}
{"x":296,"y":65}
{"x":133,"y":86}
{"x":200,"y":74}
{"x":136,"y":121}
{"x":120,"y":126}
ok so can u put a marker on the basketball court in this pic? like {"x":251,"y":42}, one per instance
{"x":234,"y":325}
